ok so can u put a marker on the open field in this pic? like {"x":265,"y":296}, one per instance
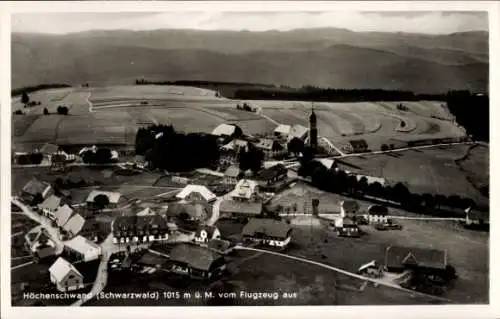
{"x":431,"y":170}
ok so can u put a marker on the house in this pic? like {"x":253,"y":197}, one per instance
{"x":98,"y":228}
{"x":237,"y":209}
{"x":231,"y":175}
{"x":349,"y":208}
{"x":268,"y":232}
{"x":282,"y":130}
{"x":245,"y":190}
{"x":346,"y":227}
{"x":220,"y":246}
{"x":371,"y":269}
{"x":36,"y":187}
{"x":113,"y":197}
{"x":195,"y":193}
{"x":356,"y":146}
{"x":62,"y":214}
{"x":206,"y":233}
{"x":376,"y":214}
{"x":49,"y":206}
{"x":326,"y":162}
{"x":82,"y":248}
{"x":65,"y":276}
{"x":74,"y":224}
{"x":196,"y":261}
{"x":298,"y":131}
{"x":272,"y":175}
{"x":193,"y":211}
{"x":147,"y":211}
{"x":140,"y":229}
{"x":399,"y":259}
{"x":224,"y":130}
{"x":41,"y":246}
{"x":475,"y":217}
{"x":270,"y":147}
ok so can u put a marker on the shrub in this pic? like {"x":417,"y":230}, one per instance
{"x":45,"y":111}
{"x":18,"y":112}
{"x":384,"y":147}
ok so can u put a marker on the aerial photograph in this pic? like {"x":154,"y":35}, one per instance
{"x":249,"y":158}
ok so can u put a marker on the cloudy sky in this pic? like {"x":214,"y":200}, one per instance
{"x":415,"y":22}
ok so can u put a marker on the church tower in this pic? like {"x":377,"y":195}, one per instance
{"x":313,"y":130}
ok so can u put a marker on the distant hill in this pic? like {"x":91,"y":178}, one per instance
{"x":321,"y":57}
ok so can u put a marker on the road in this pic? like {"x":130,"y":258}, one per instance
{"x":44,"y":222}
{"x":338,"y":150}
{"x":347,"y":273}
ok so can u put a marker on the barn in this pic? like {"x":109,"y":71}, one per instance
{"x":196,"y":262}
{"x":268,"y":232}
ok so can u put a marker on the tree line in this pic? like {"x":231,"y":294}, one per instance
{"x":100,"y":156}
{"x":337,"y":181}
{"x":472,"y":112}
{"x":30,"y":89}
{"x":164,"y":148}
{"x":201,"y":83}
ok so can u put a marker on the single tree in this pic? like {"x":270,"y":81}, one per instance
{"x":25,"y":99}
{"x":384,"y":147}
{"x":101,"y":201}
{"x":45,"y":111}
{"x":295,"y":146}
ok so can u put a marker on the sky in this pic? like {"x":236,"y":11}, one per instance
{"x":435,"y":22}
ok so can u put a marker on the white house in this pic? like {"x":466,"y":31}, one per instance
{"x":245,"y":189}
{"x":62,"y":214}
{"x":83,"y":248}
{"x":376,"y":214}
{"x":50,"y":205}
{"x":204,"y":234}
{"x":196,"y":192}
{"x":224,"y":130}
{"x":65,"y":276}
{"x":74,"y":224}
{"x":282,"y":130}
{"x":268,"y":232}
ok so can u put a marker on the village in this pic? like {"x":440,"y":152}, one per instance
{"x":207,"y":218}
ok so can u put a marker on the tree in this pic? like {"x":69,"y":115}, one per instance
{"x":384,"y":147}
{"x":400,"y":193}
{"x":45,"y":111}
{"x":428,"y":200}
{"x":101,"y":201}
{"x":296,"y":145}
{"x":363,"y":184}
{"x":25,"y":99}
{"x":88,"y":157}
{"x":37,"y":199}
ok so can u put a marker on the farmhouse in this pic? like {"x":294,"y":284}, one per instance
{"x":245,"y":190}
{"x":349,"y":208}
{"x":475,"y":217}
{"x":224,"y":130}
{"x":196,"y":262}
{"x":376,"y":214}
{"x":147,"y":211}
{"x":49,"y":206}
{"x":97,"y":228}
{"x":357,"y":146}
{"x":196,"y":193}
{"x":369,"y":179}
{"x":113,"y":198}
{"x":193,"y":211}
{"x":62,"y":214}
{"x":298,"y":131}
{"x":36,"y":187}
{"x":326,"y":162}
{"x":347,"y":227}
{"x":206,"y":233}
{"x":65,"y":276}
{"x":74,"y":224}
{"x":272,"y":175}
{"x":270,"y":147}
{"x":268,"y":232}
{"x":237,"y":209}
{"x":282,"y":130}
{"x":399,"y":259}
{"x":140,"y":229}
{"x":82,"y":249}
{"x":231,"y":175}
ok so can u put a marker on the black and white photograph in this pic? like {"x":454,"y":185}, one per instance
{"x":215,"y":156}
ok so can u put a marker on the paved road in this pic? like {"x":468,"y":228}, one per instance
{"x":347,"y":273}
{"x":44,"y":222}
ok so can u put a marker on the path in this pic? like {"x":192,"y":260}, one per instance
{"x":338,"y":150}
{"x":44,"y":222}
{"x":88,"y":102}
{"x":22,"y":265}
{"x":347,"y":273}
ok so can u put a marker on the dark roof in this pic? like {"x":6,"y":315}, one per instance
{"x":378,"y":210}
{"x":35,"y":186}
{"x":232,"y":206}
{"x":152,"y":259}
{"x":194,"y":210}
{"x":397,"y":256}
{"x":195,"y":256}
{"x":139,"y":222}
{"x":269,"y":227}
{"x":358,"y":143}
{"x":219,"y":245}
{"x":272,"y":172}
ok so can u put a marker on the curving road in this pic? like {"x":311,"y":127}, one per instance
{"x":347,"y":273}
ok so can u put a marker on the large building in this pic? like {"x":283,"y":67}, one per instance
{"x":140,"y":229}
{"x":82,"y":249}
{"x":196,"y":261}
{"x":65,"y":276}
{"x":268,"y":232}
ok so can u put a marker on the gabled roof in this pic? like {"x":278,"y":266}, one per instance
{"x":372,"y":263}
{"x":195,"y":210}
{"x":60,"y":269}
{"x":62,"y":214}
{"x":247,"y":208}
{"x":74,"y":224}
{"x":232,"y":171}
{"x":397,"y":256}
{"x":271,"y":172}
{"x":195,"y":256}
{"x":202,"y":190}
{"x":49,"y":149}
{"x":269,"y":227}
{"x":244,"y":188}
{"x":283,"y":129}
{"x":298,"y":131}
{"x":475,"y":214}
{"x":224,"y":129}
{"x":326,"y":162}
{"x":35,"y":186}
{"x":81,"y":245}
{"x":113,"y":197}
{"x":139,"y":222}
{"x":52,"y":202}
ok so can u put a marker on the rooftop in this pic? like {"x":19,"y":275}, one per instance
{"x":74,"y":224}
{"x":398,"y":256}
{"x":52,"y":203}
{"x":205,"y":193}
{"x":195,"y":256}
{"x":61,"y":267}
{"x":224,"y":129}
{"x":232,"y":206}
{"x":81,"y":244}
{"x":35,"y":186}
{"x":62,"y":214}
{"x":114,"y":197}
{"x":269,"y":227}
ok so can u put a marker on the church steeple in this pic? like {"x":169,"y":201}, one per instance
{"x":313,"y":130}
